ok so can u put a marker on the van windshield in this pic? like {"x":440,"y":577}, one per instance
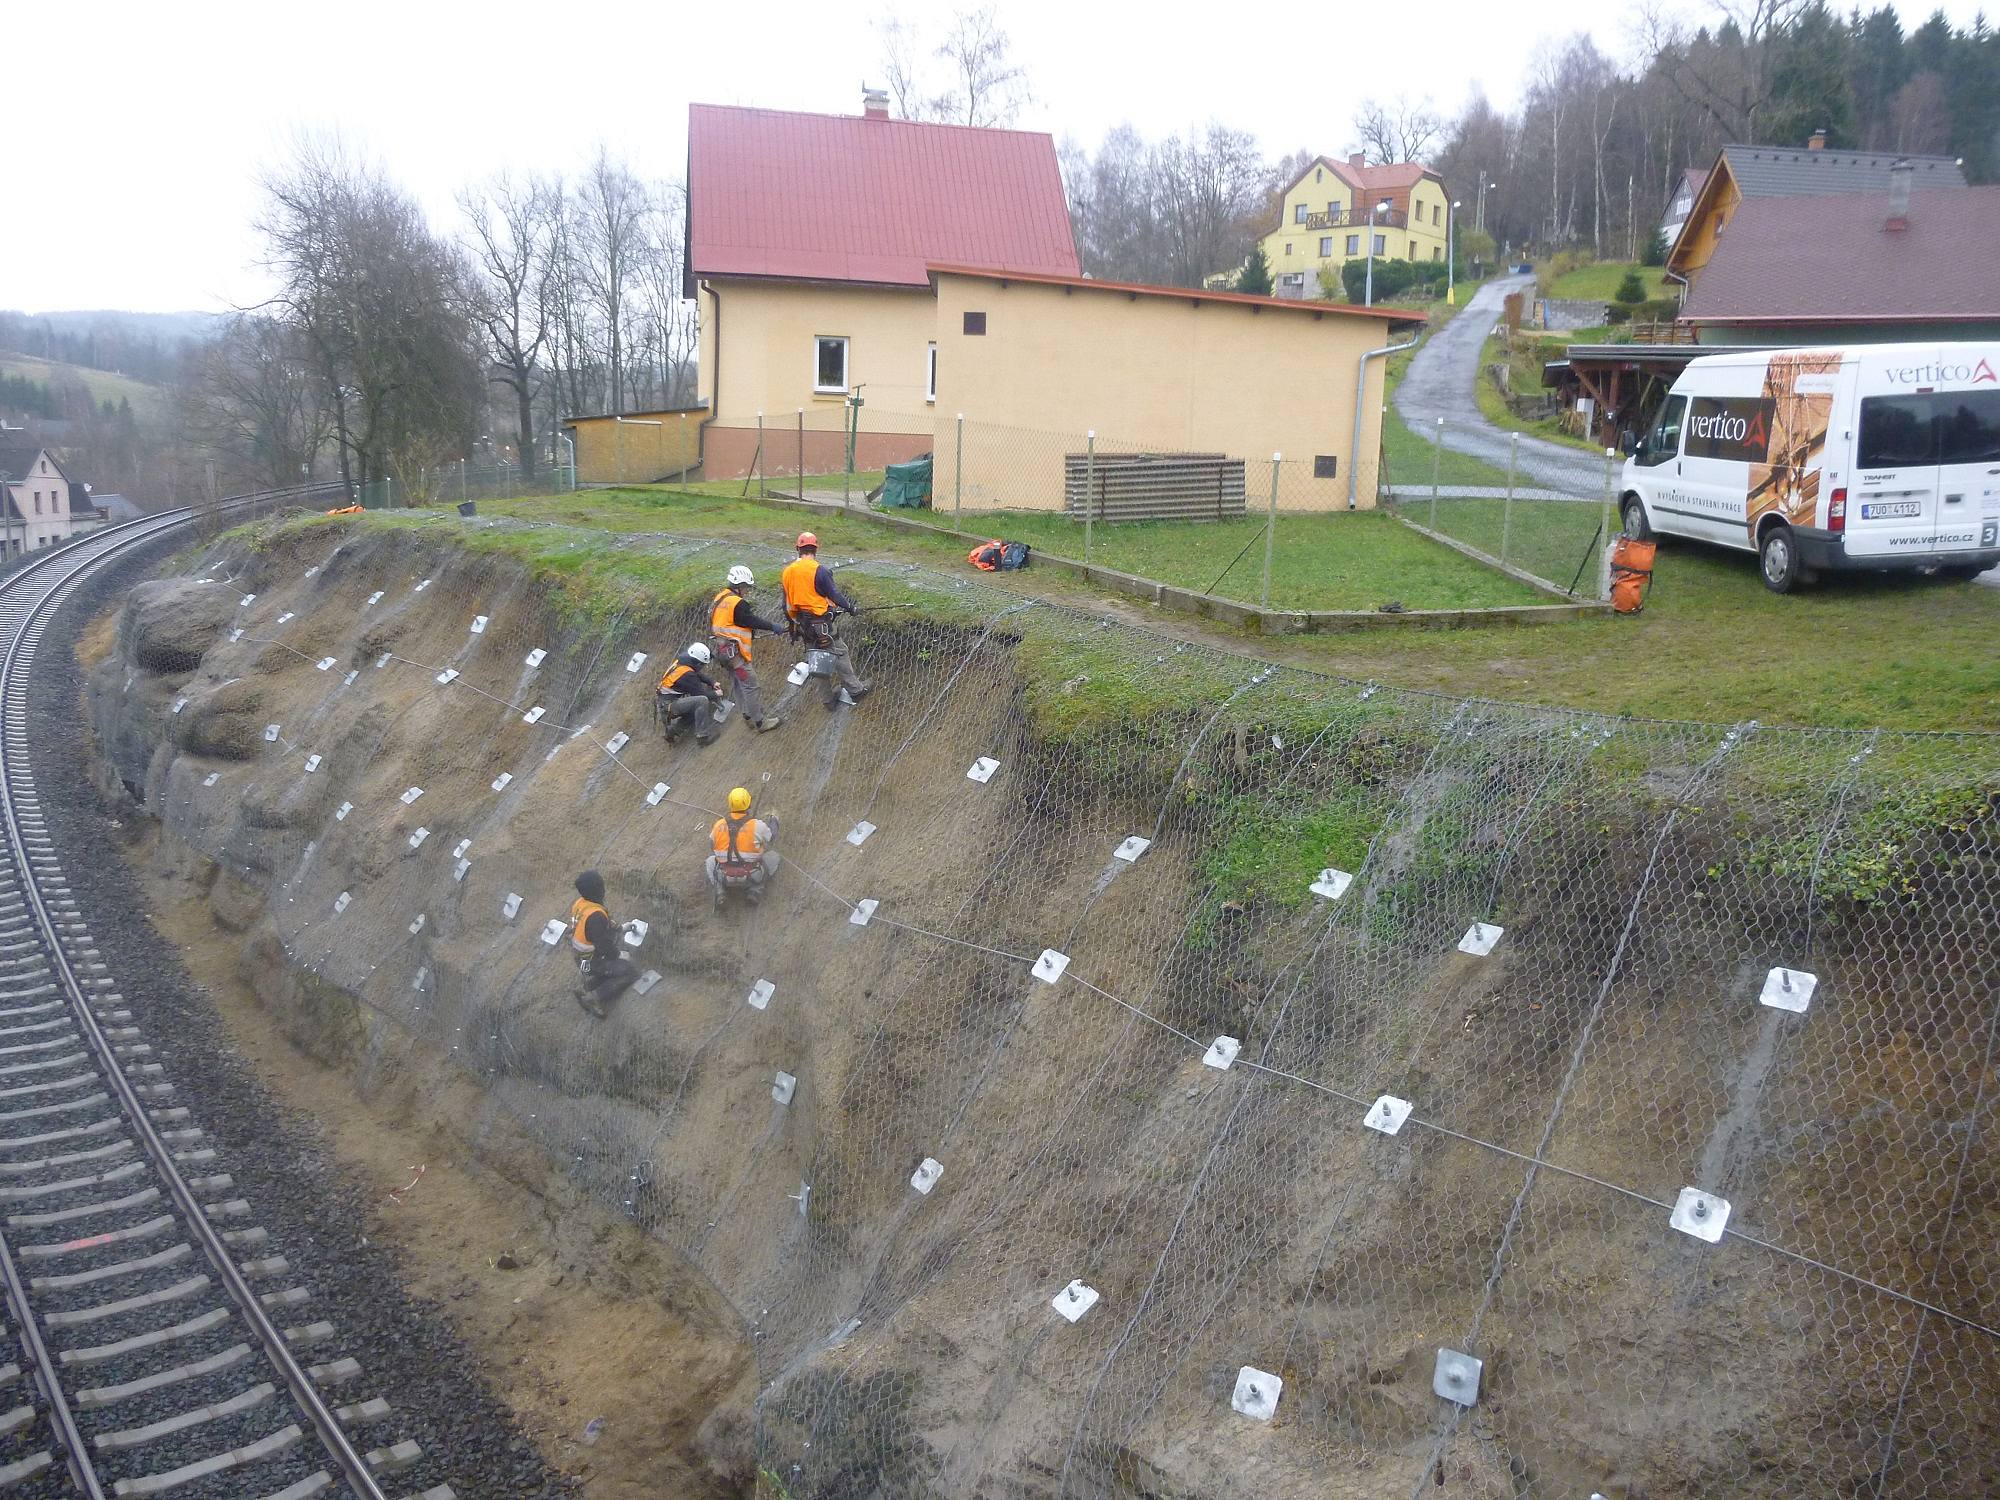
{"x":1941,"y":427}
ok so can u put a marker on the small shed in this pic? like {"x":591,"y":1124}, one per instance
{"x":637,"y":447}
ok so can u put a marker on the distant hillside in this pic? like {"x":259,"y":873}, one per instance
{"x":176,"y":327}
{"x":147,"y":399}
{"x":145,"y":346}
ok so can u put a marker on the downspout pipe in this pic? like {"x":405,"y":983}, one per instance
{"x":715,"y":389}
{"x":1360,"y":397}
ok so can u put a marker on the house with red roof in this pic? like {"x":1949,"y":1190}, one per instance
{"x":1333,"y":209}
{"x":870,"y":289}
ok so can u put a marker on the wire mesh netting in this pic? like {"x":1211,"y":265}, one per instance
{"x":1177,"y":1109}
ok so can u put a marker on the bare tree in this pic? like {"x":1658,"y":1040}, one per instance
{"x":1399,"y":132}
{"x":1211,"y":189}
{"x":610,"y":208}
{"x":1728,"y":75}
{"x":510,"y":233}
{"x":254,"y":399}
{"x":982,"y":83}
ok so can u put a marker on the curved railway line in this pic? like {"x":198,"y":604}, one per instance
{"x":161,"y":1345}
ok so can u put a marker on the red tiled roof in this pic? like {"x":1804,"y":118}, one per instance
{"x":1189,"y":293}
{"x":848,"y":198}
{"x":1389,"y":177}
{"x":1828,"y":258}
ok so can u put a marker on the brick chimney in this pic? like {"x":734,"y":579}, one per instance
{"x":1817,"y":140}
{"x":1357,"y":159}
{"x":1900,"y":175}
{"x":875,"y":103}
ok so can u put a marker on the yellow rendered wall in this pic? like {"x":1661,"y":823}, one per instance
{"x":635,"y":451}
{"x":1714,"y":207}
{"x":767,"y":349}
{"x":1146,"y":372}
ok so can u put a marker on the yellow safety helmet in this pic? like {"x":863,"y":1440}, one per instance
{"x":739,"y":800}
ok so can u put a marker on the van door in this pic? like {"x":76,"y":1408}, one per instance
{"x":1725,"y":435}
{"x":1968,"y":512}
{"x":1892,"y":502}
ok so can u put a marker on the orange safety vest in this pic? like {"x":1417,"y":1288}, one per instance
{"x":722,"y":621}
{"x":802,"y":595}
{"x":579,"y":914}
{"x":674,"y":674}
{"x":735,"y":840}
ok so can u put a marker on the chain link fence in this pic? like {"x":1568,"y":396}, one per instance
{"x":458,"y":482}
{"x":1514,"y":500}
{"x":1157,"y":1072}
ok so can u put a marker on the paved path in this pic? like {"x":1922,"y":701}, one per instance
{"x":1439,"y":383}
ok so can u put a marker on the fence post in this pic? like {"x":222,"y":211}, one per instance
{"x":1271,"y":528}
{"x":1089,"y":488}
{"x":851,"y":419}
{"x":958,"y":474}
{"x":461,"y":480}
{"x":1507,"y":505}
{"x":620,"y":426}
{"x":801,"y":485}
{"x":1437,"y":458}
{"x":1610,"y":511}
{"x":758,"y":461}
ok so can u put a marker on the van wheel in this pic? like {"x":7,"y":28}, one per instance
{"x":1778,"y":561}
{"x":1633,"y":515}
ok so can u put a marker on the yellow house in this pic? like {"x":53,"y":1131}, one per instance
{"x":1042,"y":360}
{"x":826,"y":321}
{"x":1323,"y":220}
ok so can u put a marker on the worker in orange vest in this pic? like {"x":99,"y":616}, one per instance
{"x":732,"y":622}
{"x":812,"y":603}
{"x":742,"y":857}
{"x":593,"y":938}
{"x":687,"y":695}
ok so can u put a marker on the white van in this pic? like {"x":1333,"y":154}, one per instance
{"x":1868,"y":457}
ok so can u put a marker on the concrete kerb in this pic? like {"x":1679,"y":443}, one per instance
{"x":1249,"y":616}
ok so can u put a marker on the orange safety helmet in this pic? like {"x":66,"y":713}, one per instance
{"x":807,"y":539}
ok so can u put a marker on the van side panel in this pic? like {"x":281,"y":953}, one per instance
{"x":1787,"y":477}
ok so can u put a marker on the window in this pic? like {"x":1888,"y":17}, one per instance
{"x":1288,"y":247}
{"x":1413,"y":249}
{"x":1664,"y":441}
{"x":1325,"y":246}
{"x":1354,"y":244}
{"x":1969,"y":427}
{"x":1318,"y":173}
{"x":1333,"y":209}
{"x":38,"y":502}
{"x":1437,"y":252}
{"x":1299,"y":213}
{"x":1437,"y":213}
{"x":1326,"y":466}
{"x":975,"y":323}
{"x":830,"y":366}
{"x":1950,"y":427}
{"x":1381,"y":244}
{"x":930,"y":385}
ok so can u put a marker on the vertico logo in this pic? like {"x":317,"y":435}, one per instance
{"x":1732,"y":427}
{"x":1979,"y":372}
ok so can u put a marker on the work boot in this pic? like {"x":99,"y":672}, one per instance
{"x":706,"y":739}
{"x":860,"y":691}
{"x":768,"y":723}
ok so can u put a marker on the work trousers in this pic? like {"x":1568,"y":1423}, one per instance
{"x":694,"y":707}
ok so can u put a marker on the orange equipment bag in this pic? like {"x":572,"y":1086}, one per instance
{"x":1631,"y":573}
{"x":346,"y":510}
{"x":986,"y":556}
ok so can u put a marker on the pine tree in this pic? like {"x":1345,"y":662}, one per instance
{"x":1255,"y":277}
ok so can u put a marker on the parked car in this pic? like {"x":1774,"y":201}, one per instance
{"x":1868,"y":457}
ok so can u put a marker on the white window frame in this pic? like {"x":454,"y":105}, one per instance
{"x":930,"y":388}
{"x":1326,"y":247}
{"x":1354,"y":244}
{"x":846,"y":351}
{"x":1299,"y":212}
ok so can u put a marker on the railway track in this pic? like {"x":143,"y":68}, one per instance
{"x":160,"y":1343}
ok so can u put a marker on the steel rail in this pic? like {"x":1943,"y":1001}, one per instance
{"x":86,"y":555}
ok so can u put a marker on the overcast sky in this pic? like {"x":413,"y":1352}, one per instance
{"x":133,"y":181}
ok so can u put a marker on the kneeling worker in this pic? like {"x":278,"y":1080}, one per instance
{"x":743,"y":858}
{"x":687,"y":695}
{"x":593,"y":938}
{"x":733,"y":622}
{"x":812,"y":600}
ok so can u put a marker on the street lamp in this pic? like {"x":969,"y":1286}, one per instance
{"x":1450,"y":267}
{"x":1479,"y":214}
{"x":1368,"y":297}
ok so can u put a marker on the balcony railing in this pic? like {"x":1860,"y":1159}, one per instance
{"x":1395,"y":218}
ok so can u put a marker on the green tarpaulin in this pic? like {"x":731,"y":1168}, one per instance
{"x":907,"y":486}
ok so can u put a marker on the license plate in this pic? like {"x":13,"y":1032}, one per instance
{"x":1885,"y":510}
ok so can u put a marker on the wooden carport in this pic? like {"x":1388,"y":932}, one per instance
{"x":1623,"y":381}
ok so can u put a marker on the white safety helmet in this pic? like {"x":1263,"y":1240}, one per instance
{"x":740,"y":575}
{"x":698,"y":652}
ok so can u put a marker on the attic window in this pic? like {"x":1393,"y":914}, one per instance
{"x":975,"y":323}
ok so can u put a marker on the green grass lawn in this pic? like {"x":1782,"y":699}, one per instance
{"x":1547,"y":537}
{"x":1338,"y":561}
{"x":103,"y":385}
{"x":1599,"y":282}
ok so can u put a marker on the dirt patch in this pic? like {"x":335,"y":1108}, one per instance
{"x":574,"y":1315}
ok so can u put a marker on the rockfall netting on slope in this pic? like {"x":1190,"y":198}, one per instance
{"x":1550,"y":936}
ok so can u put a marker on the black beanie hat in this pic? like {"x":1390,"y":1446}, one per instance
{"x":590,"y":886}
